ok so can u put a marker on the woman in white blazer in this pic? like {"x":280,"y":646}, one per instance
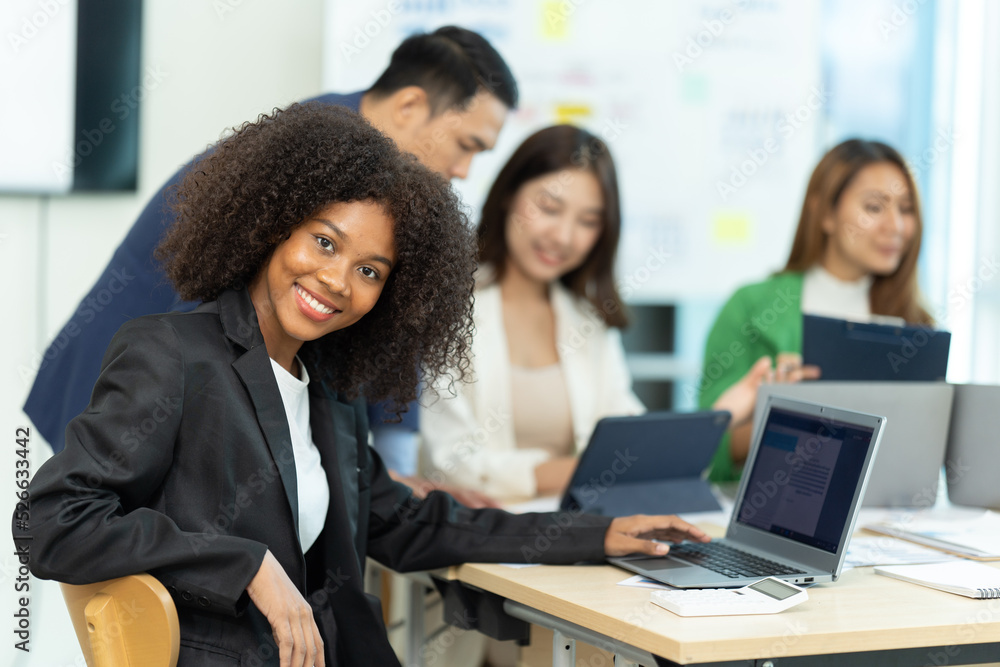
{"x":547,"y":356}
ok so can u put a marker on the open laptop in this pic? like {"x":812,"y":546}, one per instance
{"x":846,"y":350}
{"x":907,"y":469}
{"x":647,"y":464}
{"x":796,"y":507}
{"x":973,"y":455}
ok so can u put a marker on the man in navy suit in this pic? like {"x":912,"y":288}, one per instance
{"x":444,"y":97}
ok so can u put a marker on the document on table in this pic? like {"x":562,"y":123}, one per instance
{"x":864,"y":551}
{"x":977,"y":538}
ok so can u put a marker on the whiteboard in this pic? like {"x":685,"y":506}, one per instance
{"x":38,"y":80}
{"x":712,"y":111}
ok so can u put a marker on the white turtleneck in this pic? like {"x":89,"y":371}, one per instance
{"x":313,"y":489}
{"x":825,"y":294}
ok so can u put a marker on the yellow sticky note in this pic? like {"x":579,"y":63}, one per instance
{"x":572,"y":113}
{"x":731,"y":227}
{"x":555,"y":17}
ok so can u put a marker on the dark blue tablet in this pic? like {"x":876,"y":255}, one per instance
{"x":853,"y":351}
{"x":647,"y":464}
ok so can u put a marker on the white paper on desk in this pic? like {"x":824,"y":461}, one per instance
{"x":865,"y":551}
{"x":543,"y":504}
{"x":978,"y":537}
{"x":518,"y":566}
{"x":718,"y":518}
{"x":639,"y":581}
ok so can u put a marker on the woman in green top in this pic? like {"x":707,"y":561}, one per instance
{"x":854,"y":256}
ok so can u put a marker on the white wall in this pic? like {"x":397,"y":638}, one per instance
{"x":207,"y":65}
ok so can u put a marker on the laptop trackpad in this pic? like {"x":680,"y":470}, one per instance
{"x":658,"y":563}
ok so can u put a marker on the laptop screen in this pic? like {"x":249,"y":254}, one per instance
{"x":804,"y":478}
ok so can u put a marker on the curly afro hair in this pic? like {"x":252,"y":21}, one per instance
{"x":259,"y":183}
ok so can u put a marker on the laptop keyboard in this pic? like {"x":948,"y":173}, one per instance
{"x":728,"y":561}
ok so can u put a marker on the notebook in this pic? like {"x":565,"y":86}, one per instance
{"x":907,"y":469}
{"x":796,"y":506}
{"x":846,"y":350}
{"x":962,"y":577}
{"x":973,"y":458}
{"x":647,"y":464}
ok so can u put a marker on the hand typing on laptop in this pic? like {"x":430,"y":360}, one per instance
{"x":635,"y":534}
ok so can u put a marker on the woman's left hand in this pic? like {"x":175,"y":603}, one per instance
{"x":788,"y":367}
{"x":740,"y":399}
{"x":634,"y":534}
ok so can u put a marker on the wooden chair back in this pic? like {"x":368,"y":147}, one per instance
{"x":126,"y":622}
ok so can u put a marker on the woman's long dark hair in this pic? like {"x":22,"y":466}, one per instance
{"x":550,"y":150}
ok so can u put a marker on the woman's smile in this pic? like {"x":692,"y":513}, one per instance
{"x":312,"y":306}
{"x":344,"y":253}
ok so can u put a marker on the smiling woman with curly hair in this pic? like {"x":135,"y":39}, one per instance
{"x":225,"y":450}
{"x":247,"y":196}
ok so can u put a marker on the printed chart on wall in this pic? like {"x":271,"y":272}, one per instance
{"x":712,"y":112}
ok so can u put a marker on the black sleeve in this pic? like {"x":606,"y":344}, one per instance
{"x":409,"y":534}
{"x":90,"y":518}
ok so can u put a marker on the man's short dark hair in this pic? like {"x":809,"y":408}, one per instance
{"x":451,"y":64}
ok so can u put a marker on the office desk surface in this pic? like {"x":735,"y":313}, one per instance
{"x":860,"y":612}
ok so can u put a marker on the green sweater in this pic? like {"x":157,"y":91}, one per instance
{"x":760,"y":319}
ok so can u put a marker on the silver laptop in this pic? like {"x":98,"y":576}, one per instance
{"x":907,"y":469}
{"x":973,"y":455}
{"x":796,"y":507}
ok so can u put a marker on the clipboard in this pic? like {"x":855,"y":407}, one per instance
{"x":853,"y":351}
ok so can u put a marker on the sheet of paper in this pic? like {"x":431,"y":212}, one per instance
{"x":865,"y":551}
{"x":543,"y":504}
{"x":639,"y":581}
{"x":978,"y":536}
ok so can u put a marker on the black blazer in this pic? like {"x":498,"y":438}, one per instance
{"x":182,"y":466}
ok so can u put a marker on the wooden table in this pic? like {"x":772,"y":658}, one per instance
{"x":862,"y":619}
